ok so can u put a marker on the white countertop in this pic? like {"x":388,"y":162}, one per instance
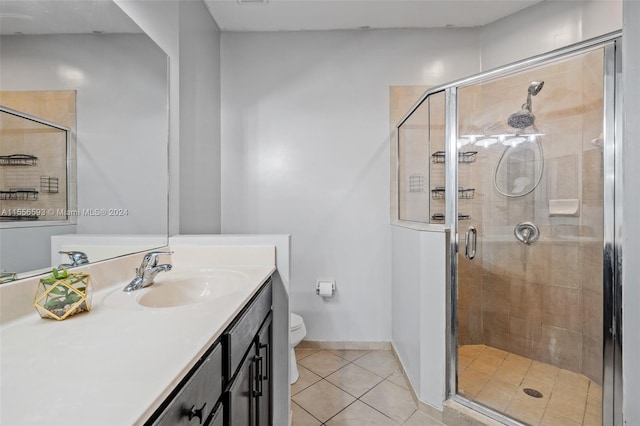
{"x":114,"y":365}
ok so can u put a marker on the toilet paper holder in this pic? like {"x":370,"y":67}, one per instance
{"x":325,"y":288}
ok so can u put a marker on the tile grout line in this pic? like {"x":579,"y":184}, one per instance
{"x":302,"y":408}
{"x":382,"y":379}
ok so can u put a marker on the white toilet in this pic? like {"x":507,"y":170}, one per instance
{"x":296,"y":334}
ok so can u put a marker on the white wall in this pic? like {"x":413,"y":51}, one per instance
{"x":546,"y":26}
{"x":191,"y":39}
{"x":631,"y":213}
{"x":199,"y":120}
{"x":419,"y":309}
{"x":121,"y":124}
{"x":305,"y":148}
{"x":160,"y":20}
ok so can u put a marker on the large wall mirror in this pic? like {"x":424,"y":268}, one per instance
{"x":83,"y":65}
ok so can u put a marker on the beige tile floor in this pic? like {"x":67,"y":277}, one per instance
{"x":352,"y":388}
{"x":497,"y":378}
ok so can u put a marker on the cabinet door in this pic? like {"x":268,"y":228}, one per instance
{"x":263,"y":376}
{"x":239,"y":399}
{"x":195,"y":400}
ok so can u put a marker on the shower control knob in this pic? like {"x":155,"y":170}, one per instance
{"x":526,"y":232}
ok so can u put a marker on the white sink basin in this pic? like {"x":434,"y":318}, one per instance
{"x":181,"y":288}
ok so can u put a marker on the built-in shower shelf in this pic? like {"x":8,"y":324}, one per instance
{"x":15,"y":218}
{"x":463,"y":157}
{"x":19,"y":194}
{"x":440,"y":217}
{"x":18,"y":160}
{"x":438,"y":193}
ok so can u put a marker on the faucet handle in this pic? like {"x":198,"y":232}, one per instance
{"x":151,"y":259}
{"x":76,"y":257}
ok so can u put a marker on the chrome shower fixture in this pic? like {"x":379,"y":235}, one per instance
{"x":524,"y":118}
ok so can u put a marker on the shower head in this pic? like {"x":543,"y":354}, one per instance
{"x":522,"y":119}
{"x":535,"y":87}
{"x":525,"y":118}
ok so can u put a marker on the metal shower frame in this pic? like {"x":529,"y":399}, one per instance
{"x":612,"y":247}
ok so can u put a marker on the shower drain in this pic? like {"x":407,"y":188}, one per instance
{"x":532,"y":392}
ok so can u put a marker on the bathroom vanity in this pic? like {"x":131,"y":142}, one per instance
{"x":230,"y":384}
{"x":196,"y":347}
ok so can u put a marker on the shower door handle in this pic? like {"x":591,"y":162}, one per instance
{"x":470,"y":238}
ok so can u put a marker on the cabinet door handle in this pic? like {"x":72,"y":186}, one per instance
{"x":258,"y":377}
{"x":265,"y":372}
{"x":196,"y":412}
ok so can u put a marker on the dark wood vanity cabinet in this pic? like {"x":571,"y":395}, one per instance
{"x":193,"y":401}
{"x":231,"y":383}
{"x":247,"y":396}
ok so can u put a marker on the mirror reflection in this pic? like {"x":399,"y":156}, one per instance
{"x":87,"y":67}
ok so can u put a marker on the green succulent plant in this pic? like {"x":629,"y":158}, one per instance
{"x":62,"y":295}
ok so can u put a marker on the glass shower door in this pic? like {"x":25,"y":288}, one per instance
{"x":530,"y":207}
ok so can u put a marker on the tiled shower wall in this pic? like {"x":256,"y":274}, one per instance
{"x":544,"y":300}
{"x":56,"y":106}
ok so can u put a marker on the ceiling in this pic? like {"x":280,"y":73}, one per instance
{"x":295,"y":15}
{"x":87,"y":16}
{"x":63,"y":17}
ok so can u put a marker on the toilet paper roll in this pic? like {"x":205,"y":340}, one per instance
{"x":325,"y":288}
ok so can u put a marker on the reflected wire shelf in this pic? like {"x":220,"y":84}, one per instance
{"x":463,"y":157}
{"x":18,"y":160}
{"x":440,"y":217}
{"x":463,"y":193}
{"x":20,"y":194}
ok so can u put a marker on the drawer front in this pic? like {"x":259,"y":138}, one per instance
{"x":195,"y":401}
{"x":217,"y":418}
{"x":240,"y":336}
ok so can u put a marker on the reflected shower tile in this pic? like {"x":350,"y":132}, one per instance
{"x":494,"y":398}
{"x":471,"y":381}
{"x":496,"y":323}
{"x":565,"y":268}
{"x":592,"y":314}
{"x":563,"y":347}
{"x":526,"y":410}
{"x":592,"y":177}
{"x":526,"y":300}
{"x":496,"y":292}
{"x":470,"y":292}
{"x":530,"y":330}
{"x":525,"y":347}
{"x":570,"y":410}
{"x":542,"y":385}
{"x":562,"y":307}
{"x":591,"y":261}
{"x":469,"y":327}
{"x":538,"y":258}
{"x":569,"y":382}
{"x":551,"y":418}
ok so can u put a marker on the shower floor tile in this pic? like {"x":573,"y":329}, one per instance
{"x":498,"y":379}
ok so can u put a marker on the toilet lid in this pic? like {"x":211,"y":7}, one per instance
{"x":296,"y":321}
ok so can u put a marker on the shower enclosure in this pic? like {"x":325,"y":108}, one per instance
{"x":521,"y":164}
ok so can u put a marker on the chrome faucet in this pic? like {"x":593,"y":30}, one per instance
{"x":147,"y":271}
{"x":77,"y":258}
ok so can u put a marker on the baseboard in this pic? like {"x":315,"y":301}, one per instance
{"x":347,"y":345}
{"x":423,"y":407}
